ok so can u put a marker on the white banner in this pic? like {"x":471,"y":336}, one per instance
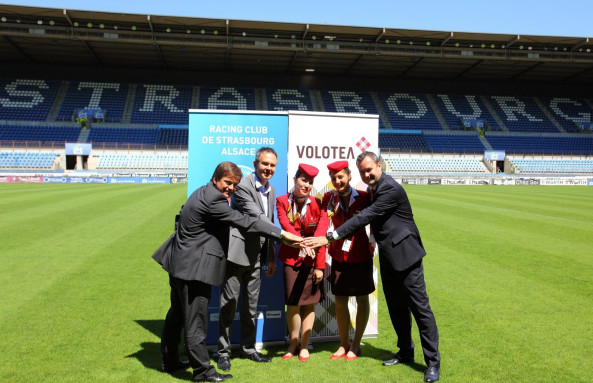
{"x":319,"y":139}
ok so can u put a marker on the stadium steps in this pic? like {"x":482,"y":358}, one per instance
{"x":485,"y":142}
{"x":381,"y":110}
{"x":316,"y":101}
{"x":437,"y":112}
{"x":55,"y":108}
{"x":549,"y":115}
{"x":261,"y":103}
{"x":195,"y":97}
{"x":498,"y":120}
{"x":127,"y":115}
{"x":84,"y":135}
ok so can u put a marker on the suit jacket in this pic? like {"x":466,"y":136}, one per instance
{"x":392,"y":221}
{"x":201,"y":240}
{"x":244,"y":248}
{"x":314,"y":224}
{"x":360,"y":250}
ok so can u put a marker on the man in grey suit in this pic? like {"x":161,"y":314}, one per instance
{"x":197,"y":261}
{"x":255,"y":197}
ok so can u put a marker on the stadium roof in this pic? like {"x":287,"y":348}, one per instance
{"x":50,"y":36}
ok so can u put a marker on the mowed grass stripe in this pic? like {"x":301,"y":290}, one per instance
{"x":509,"y":305}
{"x":49,"y":246}
{"x":518,"y":286}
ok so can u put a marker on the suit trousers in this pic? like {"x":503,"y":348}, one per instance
{"x":249,"y":277}
{"x":189,"y":311}
{"x":405,"y":295}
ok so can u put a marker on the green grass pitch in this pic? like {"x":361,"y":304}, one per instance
{"x":509,"y":274}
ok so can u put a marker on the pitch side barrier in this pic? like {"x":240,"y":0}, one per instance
{"x":498,"y":180}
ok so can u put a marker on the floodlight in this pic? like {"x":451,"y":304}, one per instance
{"x":215,"y":32}
{"x":76,"y":24}
{"x":203,"y":31}
{"x":314,"y":37}
{"x":243,"y":34}
{"x":386,"y":41}
{"x":188,"y":31}
{"x":483,"y":45}
{"x":428,"y":43}
{"x":39,"y":22}
{"x":133,"y":27}
{"x":101,"y":26}
{"x":456,"y":45}
{"x":3,"y":19}
{"x":90,"y":25}
{"x":398,"y":42}
{"x":51,"y":22}
{"x":492,"y":46}
{"x":168,"y":30}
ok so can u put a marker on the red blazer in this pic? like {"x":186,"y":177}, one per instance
{"x":316,"y":225}
{"x":360,"y":250}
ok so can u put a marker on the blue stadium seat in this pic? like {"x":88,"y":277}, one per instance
{"x":27,"y":99}
{"x":84,"y":94}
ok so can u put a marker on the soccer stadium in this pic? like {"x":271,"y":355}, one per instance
{"x":491,"y":135}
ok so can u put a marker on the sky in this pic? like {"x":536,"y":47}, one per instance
{"x":569,"y":18}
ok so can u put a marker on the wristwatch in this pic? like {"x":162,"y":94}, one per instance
{"x":332,"y":236}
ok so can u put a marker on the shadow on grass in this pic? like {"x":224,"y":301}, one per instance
{"x":150,"y":352}
{"x":367,"y":349}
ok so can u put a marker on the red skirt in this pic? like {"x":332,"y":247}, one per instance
{"x":299,"y":288}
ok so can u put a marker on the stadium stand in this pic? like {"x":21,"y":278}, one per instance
{"x":288,"y":99}
{"x":84,"y":94}
{"x":18,"y":160}
{"x":568,"y":145}
{"x":161,"y":104}
{"x":522,"y":114}
{"x":440,"y":165}
{"x":409,"y":111}
{"x":26,"y":99}
{"x":455,"y":108}
{"x":553,"y":166}
{"x":42,"y":133}
{"x":155,"y":115}
{"x":230,"y":98}
{"x":142,"y":161}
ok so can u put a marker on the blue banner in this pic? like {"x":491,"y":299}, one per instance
{"x":215,"y":137}
{"x":139,"y":180}
{"x":97,"y":113}
{"x":494,"y":155}
{"x":473,"y":122}
{"x":78,"y":149}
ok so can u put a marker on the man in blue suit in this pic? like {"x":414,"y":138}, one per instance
{"x":400,"y":258}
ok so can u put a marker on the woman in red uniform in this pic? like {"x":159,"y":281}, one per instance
{"x":301,"y":214}
{"x":352,"y":259}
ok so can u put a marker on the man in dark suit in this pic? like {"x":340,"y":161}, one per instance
{"x":197,"y":261}
{"x":400,"y":259}
{"x":255,"y":197}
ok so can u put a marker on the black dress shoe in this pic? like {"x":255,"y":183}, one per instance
{"x":432,"y":374}
{"x":213,"y":378}
{"x":256,"y":357}
{"x":399,"y":358}
{"x":224,"y":363}
{"x":179,"y":365}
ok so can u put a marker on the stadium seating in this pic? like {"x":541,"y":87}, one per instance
{"x":568,"y":111}
{"x":142,"y":161}
{"x":26,"y":99}
{"x":409,"y":111}
{"x":441,"y":165}
{"x":123,"y":135}
{"x":229,"y":98}
{"x":39,"y":133}
{"x":553,"y":166}
{"x":569,"y":145}
{"x":84,"y":94}
{"x":451,"y":143}
{"x":161,"y":104}
{"x":288,"y":99}
{"x":19,"y":160}
{"x":415,"y":142}
{"x":522,"y":114}
{"x":423,"y":122}
{"x":455,"y":107}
